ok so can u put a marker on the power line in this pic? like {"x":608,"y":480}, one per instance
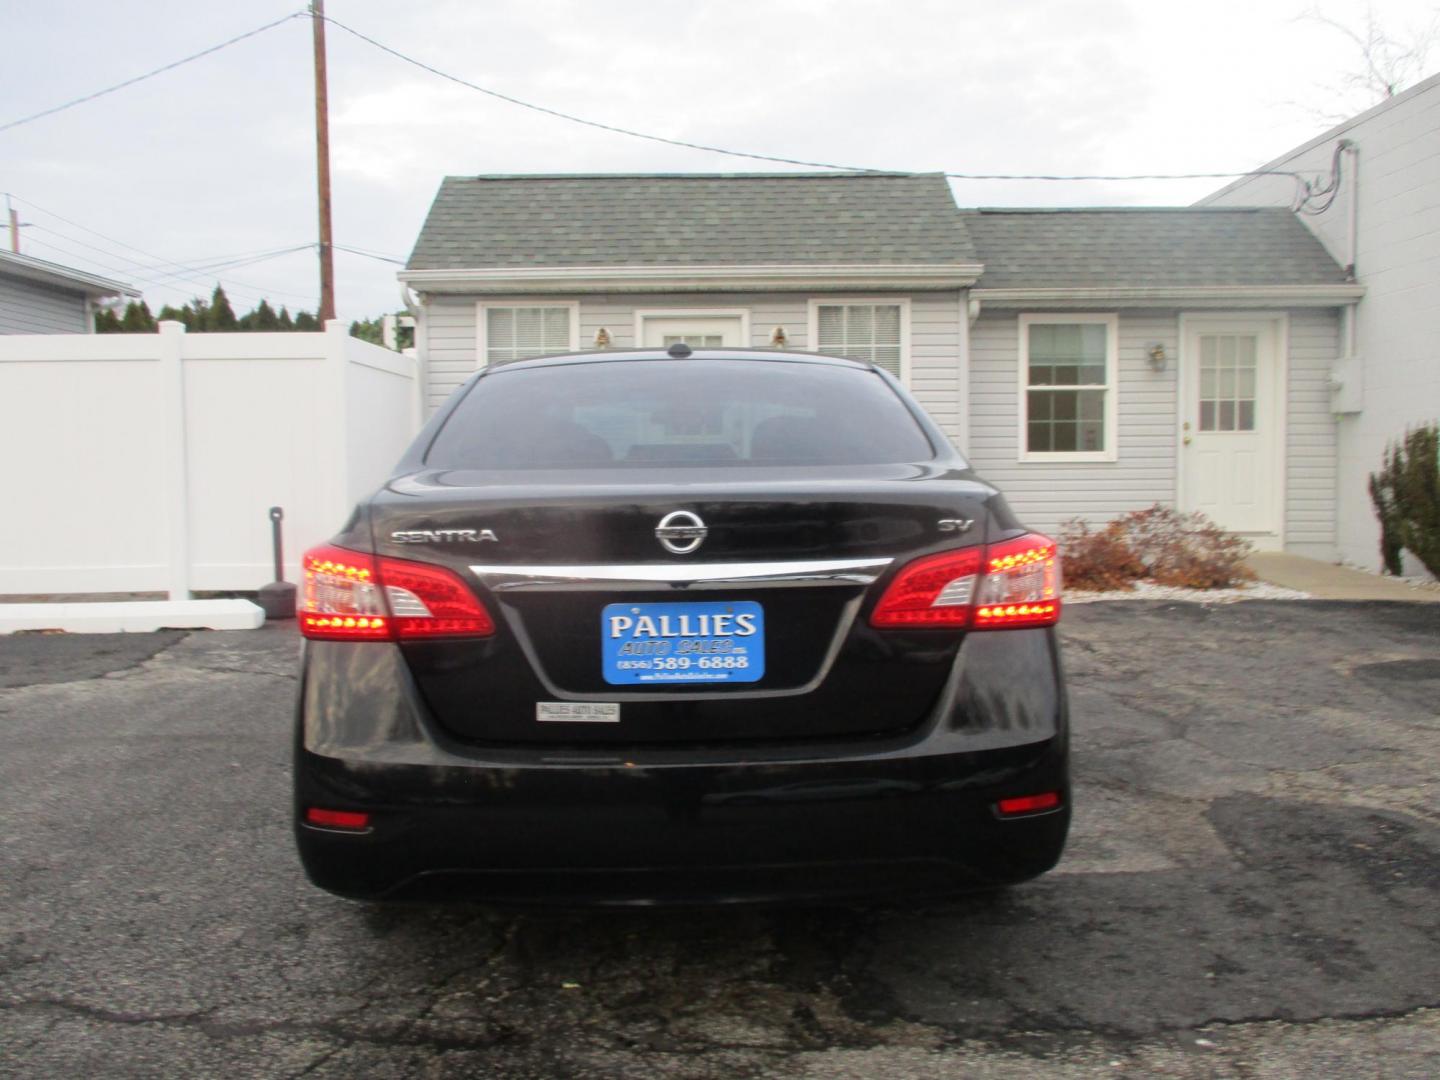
{"x":615,"y":129}
{"x":199,"y":268}
{"x":150,"y":74}
{"x":369,"y":254}
{"x":194,"y":275}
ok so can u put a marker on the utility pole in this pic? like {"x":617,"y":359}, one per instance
{"x":322,"y":164}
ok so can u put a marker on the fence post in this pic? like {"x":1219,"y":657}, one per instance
{"x":337,"y":336}
{"x":171,"y":341}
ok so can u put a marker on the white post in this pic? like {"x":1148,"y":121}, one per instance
{"x":171,"y":341}
{"x":337,"y":335}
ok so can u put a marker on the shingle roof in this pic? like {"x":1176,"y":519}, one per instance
{"x":1140,"y":247}
{"x":749,"y":219}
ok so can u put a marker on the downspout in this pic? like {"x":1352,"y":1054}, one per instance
{"x":1352,"y":207}
{"x":415,"y":305}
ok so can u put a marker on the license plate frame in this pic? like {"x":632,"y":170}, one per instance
{"x":683,"y":643}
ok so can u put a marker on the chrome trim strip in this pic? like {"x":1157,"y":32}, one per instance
{"x":502,"y":578}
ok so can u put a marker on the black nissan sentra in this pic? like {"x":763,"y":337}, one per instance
{"x":686,"y":627}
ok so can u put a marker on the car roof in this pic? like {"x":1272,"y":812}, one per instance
{"x":611,"y":356}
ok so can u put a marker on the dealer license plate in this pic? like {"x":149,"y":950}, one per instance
{"x":714,"y":642}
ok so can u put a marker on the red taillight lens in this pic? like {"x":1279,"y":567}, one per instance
{"x":1021,"y":586}
{"x":1028,"y":804}
{"x":1010,"y":584}
{"x":340,"y":598}
{"x":347,"y":596}
{"x":336,"y":819}
{"x":933,"y":591}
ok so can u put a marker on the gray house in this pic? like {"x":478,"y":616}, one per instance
{"x":1091,"y":361}
{"x":1384,"y":221}
{"x":39,"y":297}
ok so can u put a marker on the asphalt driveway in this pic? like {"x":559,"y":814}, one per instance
{"x":1252,"y":890}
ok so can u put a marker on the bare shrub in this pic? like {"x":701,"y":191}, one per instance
{"x":1162,"y":544}
{"x":1098,"y":560}
{"x":1186,"y":550}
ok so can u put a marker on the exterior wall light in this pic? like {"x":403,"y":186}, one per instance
{"x":1155,"y":353}
{"x":778,"y":338}
{"x":602,"y":338}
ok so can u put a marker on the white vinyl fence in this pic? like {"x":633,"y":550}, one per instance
{"x":148,"y":462}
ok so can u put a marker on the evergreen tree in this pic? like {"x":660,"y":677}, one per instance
{"x":305,"y":322}
{"x":196,"y":316}
{"x":222,"y":316}
{"x":138,"y":319}
{"x":107,"y":322}
{"x":171,"y":314}
{"x":264,"y":318}
{"x":371,"y":330}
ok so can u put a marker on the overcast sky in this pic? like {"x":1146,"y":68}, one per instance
{"x":216,"y":159}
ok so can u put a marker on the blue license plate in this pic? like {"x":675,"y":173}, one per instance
{"x":720,"y":642}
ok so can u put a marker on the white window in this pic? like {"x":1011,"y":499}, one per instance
{"x":877,"y":331}
{"x":1067,"y":387}
{"x":525,"y":330}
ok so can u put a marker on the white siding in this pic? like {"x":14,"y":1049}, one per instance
{"x":1310,"y":436}
{"x":449,"y":334}
{"x":1045,"y":495}
{"x":27,"y":307}
{"x":1398,"y":262}
{"x":448,"y":345}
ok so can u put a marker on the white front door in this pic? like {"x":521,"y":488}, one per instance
{"x":698,"y":331}
{"x":1232,"y":406}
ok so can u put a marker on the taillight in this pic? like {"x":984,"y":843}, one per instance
{"x":348,"y":596}
{"x":340,"y":597}
{"x":933,"y":591}
{"x":1010,"y":584}
{"x":1021,"y":586}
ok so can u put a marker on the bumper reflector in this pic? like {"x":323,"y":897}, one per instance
{"x":1028,"y":804}
{"x":337,"y":819}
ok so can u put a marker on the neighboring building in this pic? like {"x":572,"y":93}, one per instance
{"x":39,"y":297}
{"x":1384,"y":221}
{"x":1090,"y":361}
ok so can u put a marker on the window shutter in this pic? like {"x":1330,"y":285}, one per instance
{"x":832,"y":330}
{"x":869,"y":332}
{"x":887,"y":338}
{"x":516,"y":333}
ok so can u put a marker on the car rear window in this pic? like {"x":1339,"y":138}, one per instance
{"x":652,"y":413}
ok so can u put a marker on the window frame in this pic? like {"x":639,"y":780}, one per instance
{"x":1111,"y":322}
{"x":482,"y":321}
{"x":812,"y":329}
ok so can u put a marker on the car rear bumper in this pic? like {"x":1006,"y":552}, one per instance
{"x":698,"y":834}
{"x":803,"y":822}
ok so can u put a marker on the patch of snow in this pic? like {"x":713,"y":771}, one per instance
{"x":1148,"y":590}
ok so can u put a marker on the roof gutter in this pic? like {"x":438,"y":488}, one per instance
{"x":47,"y":273}
{"x":1187,"y":297}
{"x":690,"y":278}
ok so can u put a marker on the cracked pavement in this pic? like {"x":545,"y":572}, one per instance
{"x":1250,"y":891}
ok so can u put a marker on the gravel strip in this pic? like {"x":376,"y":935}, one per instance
{"x":1148,"y":590}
